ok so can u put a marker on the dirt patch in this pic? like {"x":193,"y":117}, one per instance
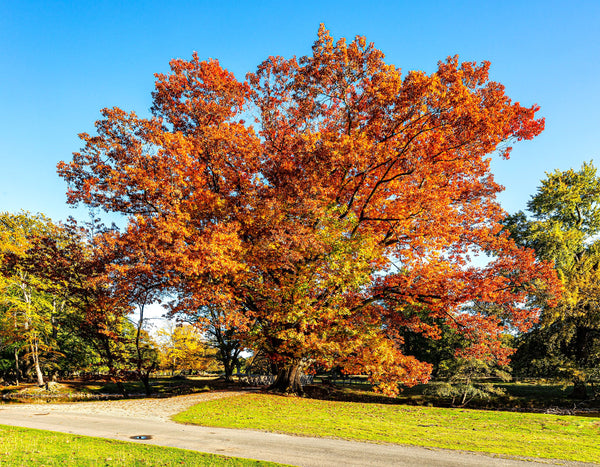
{"x":143,"y":408}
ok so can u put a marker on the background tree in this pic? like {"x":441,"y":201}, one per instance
{"x":461,"y":375}
{"x":564,"y":228}
{"x":183,"y":348}
{"x":141,"y":284}
{"x":65,"y":295}
{"x":80,"y":262}
{"x":221,"y":333}
{"x":30,"y":310}
{"x":355,"y":198}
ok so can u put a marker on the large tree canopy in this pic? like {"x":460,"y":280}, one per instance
{"x":326,"y":203}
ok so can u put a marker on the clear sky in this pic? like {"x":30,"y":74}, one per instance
{"x":62,"y":61}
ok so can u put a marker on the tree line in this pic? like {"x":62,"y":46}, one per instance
{"x":64,"y":312}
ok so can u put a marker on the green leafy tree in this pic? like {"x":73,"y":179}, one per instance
{"x":469,"y":378}
{"x":80,"y":260}
{"x":30,"y":311}
{"x":564,"y":228}
{"x":65,"y":296}
{"x":461,"y":376}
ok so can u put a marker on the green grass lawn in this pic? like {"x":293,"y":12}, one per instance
{"x":26,"y":447}
{"x":509,"y":433}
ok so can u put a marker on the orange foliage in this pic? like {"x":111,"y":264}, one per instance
{"x":343,"y":213}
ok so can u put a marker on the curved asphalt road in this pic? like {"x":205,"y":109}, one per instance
{"x":300,"y":451}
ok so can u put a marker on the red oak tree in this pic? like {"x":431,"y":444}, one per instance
{"x":343,"y":214}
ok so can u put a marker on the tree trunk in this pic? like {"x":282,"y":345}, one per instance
{"x":112,"y":371}
{"x":581,"y":354}
{"x":579,"y":389}
{"x":228,"y":370}
{"x":228,"y":352}
{"x":288,"y":380}
{"x":145,"y":378}
{"x":122,"y":388}
{"x":36,"y":364}
{"x":17,"y":368}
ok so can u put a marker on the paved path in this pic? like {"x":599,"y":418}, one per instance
{"x":115,"y":420}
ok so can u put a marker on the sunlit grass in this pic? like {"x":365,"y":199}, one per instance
{"x":28,"y":447}
{"x":508,"y":433}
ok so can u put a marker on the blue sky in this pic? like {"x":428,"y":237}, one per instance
{"x":62,"y":61}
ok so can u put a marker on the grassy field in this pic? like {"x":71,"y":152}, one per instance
{"x":510,"y":433}
{"x":26,"y":447}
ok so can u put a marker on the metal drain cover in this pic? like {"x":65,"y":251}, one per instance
{"x":141,"y":437}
